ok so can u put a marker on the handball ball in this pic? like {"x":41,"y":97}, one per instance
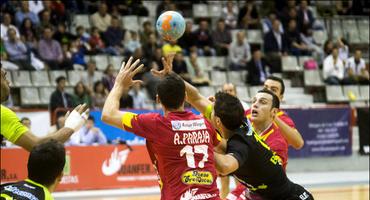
{"x":170,"y":25}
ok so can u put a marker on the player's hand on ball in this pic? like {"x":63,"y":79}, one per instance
{"x":167,"y":66}
{"x":126,"y":73}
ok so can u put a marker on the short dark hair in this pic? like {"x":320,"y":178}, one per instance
{"x":59,"y":79}
{"x":275,"y":99}
{"x":229,"y":109}
{"x":280,"y":80}
{"x":171,"y":91}
{"x":25,"y":119}
{"x":46,"y":162}
{"x":91,"y":118}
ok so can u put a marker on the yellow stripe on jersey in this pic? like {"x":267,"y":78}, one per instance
{"x":10,"y":126}
{"x":7,"y":197}
{"x":208,"y":112}
{"x":46,"y":190}
{"x":127,"y":117}
{"x":264,"y":137}
{"x":280,"y":113}
{"x":218,"y":136}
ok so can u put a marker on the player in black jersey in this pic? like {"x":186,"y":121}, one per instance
{"x":45,"y":170}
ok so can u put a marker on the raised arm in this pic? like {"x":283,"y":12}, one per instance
{"x":111,"y":113}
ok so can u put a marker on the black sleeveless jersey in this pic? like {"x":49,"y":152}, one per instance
{"x":24,"y":190}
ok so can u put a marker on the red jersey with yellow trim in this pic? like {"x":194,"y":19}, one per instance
{"x":181,"y":145}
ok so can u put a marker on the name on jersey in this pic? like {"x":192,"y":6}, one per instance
{"x":188,"y":125}
{"x":195,"y":137}
{"x":197,"y":177}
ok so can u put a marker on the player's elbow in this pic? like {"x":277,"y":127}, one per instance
{"x":299,"y":144}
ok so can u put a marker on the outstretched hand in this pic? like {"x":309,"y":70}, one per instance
{"x":167,"y":66}
{"x":126,"y":73}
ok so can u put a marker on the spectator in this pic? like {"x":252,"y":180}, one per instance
{"x":312,"y":45}
{"x":126,"y":102}
{"x":163,"y":6}
{"x":45,"y":20}
{"x":26,"y":122}
{"x":275,"y":46}
{"x":62,"y":36}
{"x":230,"y":14}
{"x":305,"y":16}
{"x":59,"y":98}
{"x":96,"y":42}
{"x":171,"y":47}
{"x":88,"y":135}
{"x":343,"y":7}
{"x":84,"y":37}
{"x":151,"y":46}
{"x":50,"y":50}
{"x":180,"y":67}
{"x":5,"y":64}
{"x":77,"y":53}
{"x":288,"y":12}
{"x":295,"y":44}
{"x":356,"y":69}
{"x":29,"y":35}
{"x":343,"y":49}
{"x":204,"y":39}
{"x":99,"y":96}
{"x":91,"y":77}
{"x":17,"y":51}
{"x":257,"y":69}
{"x":134,"y":43}
{"x":5,"y":25}
{"x":231,"y":89}
{"x":114,"y":36}
{"x":56,"y":11}
{"x":267,"y":24}
{"x":81,"y":95}
{"x":147,"y":31}
{"x":188,"y":41}
{"x":200,"y":77}
{"x":25,"y":12}
{"x":109,"y":77}
{"x":328,"y":47}
{"x":101,"y":19}
{"x":138,"y":97}
{"x":222,"y":38}
{"x":36,"y":6}
{"x":58,"y":125}
{"x":333,"y":70}
{"x":292,"y":15}
{"x":248,"y":16}
{"x":240,"y":52}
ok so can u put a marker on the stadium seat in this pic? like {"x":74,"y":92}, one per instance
{"x":218,"y":61}
{"x":101,"y":61}
{"x":298,"y":99}
{"x":290,"y":63}
{"x":21,"y":78}
{"x":8,"y":76}
{"x":40,"y":78}
{"x":69,"y":90}
{"x":116,"y":61}
{"x":254,"y":89}
{"x":350,"y":29}
{"x":207,"y":91}
{"x":203,"y":63}
{"x":81,"y":20}
{"x":218,"y":77}
{"x":363,"y":25}
{"x":130,"y":22}
{"x":335,"y":94}
{"x":55,"y":74}
{"x":254,"y":36}
{"x":364,"y":91}
{"x":350,"y":91}
{"x":200,"y":10}
{"x":242,"y":92}
{"x":302,"y":59}
{"x":336,"y":28}
{"x":312,"y":78}
{"x":214,"y":10}
{"x":29,"y":96}
{"x":74,"y":76}
{"x":45,"y":93}
{"x":320,"y":36}
{"x":235,"y":77}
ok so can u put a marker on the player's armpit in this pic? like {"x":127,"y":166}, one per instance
{"x":226,"y":164}
{"x":27,"y":140}
{"x":114,"y":118}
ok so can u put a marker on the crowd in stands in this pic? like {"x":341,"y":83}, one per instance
{"x":38,"y":35}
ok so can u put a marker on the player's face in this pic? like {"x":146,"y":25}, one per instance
{"x":216,"y":123}
{"x":274,"y":86}
{"x":4,"y":86}
{"x":261,"y":110}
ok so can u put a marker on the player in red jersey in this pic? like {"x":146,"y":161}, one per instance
{"x":181,"y":142}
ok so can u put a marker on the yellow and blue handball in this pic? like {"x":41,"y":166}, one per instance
{"x":170,"y":25}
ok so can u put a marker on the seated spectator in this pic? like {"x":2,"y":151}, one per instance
{"x":17,"y":51}
{"x":25,"y":12}
{"x":138,"y":96}
{"x":5,"y":63}
{"x":62,"y":36}
{"x":58,"y":125}
{"x":275,"y":46}
{"x":200,"y":78}
{"x":239,"y":52}
{"x":77,"y":53}
{"x":88,"y":135}
{"x":134,"y":43}
{"x":99,"y":96}
{"x":188,"y":41}
{"x":288,"y":12}
{"x":60,"y":98}
{"x":343,"y":49}
{"x":313,"y":46}
{"x":231,"y":89}
{"x":50,"y":50}
{"x":295,"y":44}
{"x":180,"y":67}
{"x":356,"y":69}
{"x":114,"y":36}
{"x":56,"y":10}
{"x":109,"y":77}
{"x":305,"y":16}
{"x":101,"y":19}
{"x":328,"y":47}
{"x":91,"y":77}
{"x":5,"y":25}
{"x":333,"y":70}
{"x":81,"y":95}
{"x":257,"y":69}
{"x":84,"y":37}
{"x":230,"y":14}
{"x":171,"y":47}
{"x":147,"y":31}
{"x":151,"y":46}
{"x":29,"y":35}
{"x":96,"y":42}
{"x":26,"y":122}
{"x":45,"y":20}
{"x":248,"y":16}
{"x":267,"y":23}
{"x":222,"y":38}
{"x":204,"y":40}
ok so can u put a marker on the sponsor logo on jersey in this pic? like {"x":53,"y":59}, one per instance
{"x":188,"y":125}
{"x":191,"y":194}
{"x":114,"y":163}
{"x":197,"y":177}
{"x":21,"y":193}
